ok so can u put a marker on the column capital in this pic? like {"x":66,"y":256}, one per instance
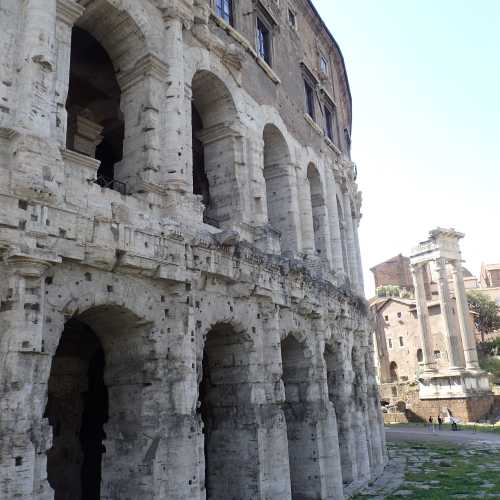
{"x":148,"y":66}
{"x":28,"y":266}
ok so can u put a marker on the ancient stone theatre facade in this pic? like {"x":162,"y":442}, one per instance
{"x":181,"y":305}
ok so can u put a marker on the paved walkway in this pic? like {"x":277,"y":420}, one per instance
{"x":395,"y":434}
{"x":418,"y":471}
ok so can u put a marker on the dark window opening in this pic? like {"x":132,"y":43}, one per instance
{"x":329,"y":123}
{"x":309,"y":99}
{"x":263,"y":41}
{"x":77,"y":418}
{"x":224,"y":9}
{"x":401,"y":342}
{"x":292,"y":19}
{"x":420,"y":356}
{"x":95,"y":120}
{"x":323,"y":66}
{"x":200,"y":179}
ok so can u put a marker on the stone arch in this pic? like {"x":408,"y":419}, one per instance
{"x":282,"y":209}
{"x":97,"y":369}
{"x":319,"y":212}
{"x":230,"y":444}
{"x":114,"y":94}
{"x":217,"y":147}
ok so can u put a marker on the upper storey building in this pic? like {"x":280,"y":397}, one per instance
{"x":233,"y":114}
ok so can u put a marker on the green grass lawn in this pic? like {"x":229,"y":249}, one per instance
{"x":445,"y":471}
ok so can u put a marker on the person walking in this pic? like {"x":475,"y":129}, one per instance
{"x":440,"y":422}
{"x":431,"y":424}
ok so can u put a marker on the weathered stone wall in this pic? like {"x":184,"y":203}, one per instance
{"x":158,"y":340}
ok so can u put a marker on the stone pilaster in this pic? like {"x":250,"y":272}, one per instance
{"x":24,"y":438}
{"x":177,"y":172}
{"x":142,"y":102}
{"x":464,"y":320}
{"x":68,"y":11}
{"x":336,"y":238}
{"x":351,"y":245}
{"x":424,"y":326}
{"x":452,"y":341}
{"x":306,"y":218}
{"x":361,"y":281}
{"x":36,"y":68}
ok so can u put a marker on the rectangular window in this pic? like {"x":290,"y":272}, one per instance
{"x":401,"y":343}
{"x":292,"y":19}
{"x":437,"y":354}
{"x":309,"y":99}
{"x":329,"y":123}
{"x":323,"y":65}
{"x":263,"y":41}
{"x":224,"y":9}
{"x":390,"y":343}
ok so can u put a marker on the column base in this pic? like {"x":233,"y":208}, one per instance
{"x":456,"y":383}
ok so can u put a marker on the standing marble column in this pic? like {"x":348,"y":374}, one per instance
{"x":452,"y":341}
{"x":423,"y":319}
{"x":466,"y":332}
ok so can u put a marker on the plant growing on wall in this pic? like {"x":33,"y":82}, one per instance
{"x":487,"y":313}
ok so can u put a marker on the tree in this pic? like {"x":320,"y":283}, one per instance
{"x":487,"y":313}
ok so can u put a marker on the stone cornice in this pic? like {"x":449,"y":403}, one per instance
{"x":68,"y":11}
{"x":80,"y":159}
{"x":148,"y":66}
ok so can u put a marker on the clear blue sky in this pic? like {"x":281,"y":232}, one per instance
{"x":425,"y":82}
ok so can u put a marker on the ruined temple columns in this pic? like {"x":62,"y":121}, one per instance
{"x":452,"y":341}
{"x":423,"y":315}
{"x":466,"y":332}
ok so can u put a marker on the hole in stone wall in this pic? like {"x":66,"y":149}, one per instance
{"x":77,"y":409}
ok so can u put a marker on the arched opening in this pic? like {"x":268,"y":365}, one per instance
{"x":343,"y":238}
{"x":281,"y":203}
{"x":214,"y":149}
{"x":319,"y":212}
{"x":230,"y":440}
{"x":77,"y":409}
{"x":95,"y":121}
{"x":301,"y":448}
{"x":393,"y":370}
{"x":420,"y":356}
{"x":341,"y":398}
{"x":97,"y":371}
